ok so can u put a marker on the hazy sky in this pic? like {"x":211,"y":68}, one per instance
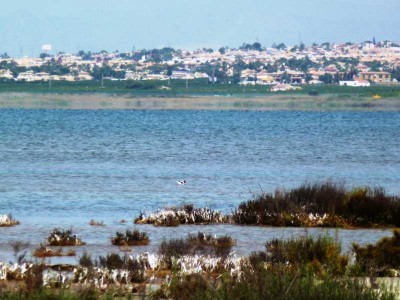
{"x":71,"y":25}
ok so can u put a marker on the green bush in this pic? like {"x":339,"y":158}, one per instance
{"x":269,"y":284}
{"x":380,"y":259}
{"x":320,"y":254}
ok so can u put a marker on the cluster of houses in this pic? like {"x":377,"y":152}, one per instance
{"x":187,"y":65}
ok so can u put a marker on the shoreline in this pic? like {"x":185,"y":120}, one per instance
{"x":102,"y":101}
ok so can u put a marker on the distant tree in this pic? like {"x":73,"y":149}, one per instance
{"x":271,"y":68}
{"x":169,"y":70}
{"x":286,"y":78}
{"x":43,"y":55}
{"x":349,"y":75}
{"x":302,"y":47}
{"x":396,"y":74}
{"x":326,"y":46}
{"x":375,"y":65}
{"x":222,"y":50}
{"x":4,"y":55}
{"x":85,"y":55}
{"x":326,"y":78}
{"x":281,"y":46}
{"x":257,"y":46}
{"x":336,"y":78}
{"x":308,"y":78}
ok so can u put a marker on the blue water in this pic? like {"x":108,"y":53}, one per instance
{"x":69,"y":166}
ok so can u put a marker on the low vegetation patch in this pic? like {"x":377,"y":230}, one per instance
{"x":43,"y":251}
{"x":185,"y":214}
{"x":61,"y":237}
{"x":320,"y":254}
{"x":380,"y":259}
{"x":113,"y":268}
{"x":269,"y":284}
{"x":323,"y":204}
{"x":200,"y":244}
{"x":96,"y":223}
{"x":298,"y":268}
{"x":130,"y":238}
{"x":8,"y":221}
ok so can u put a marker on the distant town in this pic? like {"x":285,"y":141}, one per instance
{"x":279,"y":66}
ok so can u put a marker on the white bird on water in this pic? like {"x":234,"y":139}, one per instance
{"x":181,"y":182}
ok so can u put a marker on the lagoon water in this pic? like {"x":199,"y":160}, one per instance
{"x":65,"y":167}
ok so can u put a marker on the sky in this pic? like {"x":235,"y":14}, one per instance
{"x":72,"y":25}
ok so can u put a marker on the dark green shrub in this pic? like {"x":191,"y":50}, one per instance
{"x":130,"y":238}
{"x":201,"y":244}
{"x":270,"y":284}
{"x":86,"y":260}
{"x":324,"y":204}
{"x":379,"y":259}
{"x":111,"y":261}
{"x":320,"y":253}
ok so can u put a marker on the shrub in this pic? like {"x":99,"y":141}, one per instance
{"x":367,"y":206}
{"x":60,"y":237}
{"x":379,"y":259}
{"x":130,"y":238}
{"x":86,"y":260}
{"x":324,"y":204}
{"x":319,"y":253}
{"x":111,"y":261}
{"x":200,"y":244}
{"x":34,"y":278}
{"x":18,"y":247}
{"x":115,"y":262}
{"x":269,"y":284}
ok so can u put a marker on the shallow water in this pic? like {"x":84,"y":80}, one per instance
{"x":65,"y":167}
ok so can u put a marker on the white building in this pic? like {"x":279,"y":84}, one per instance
{"x":355,"y":83}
